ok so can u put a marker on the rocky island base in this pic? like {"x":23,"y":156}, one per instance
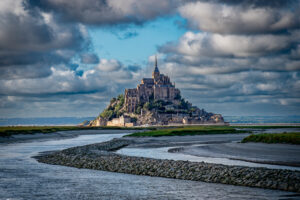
{"x":101,"y":156}
{"x":155,"y":101}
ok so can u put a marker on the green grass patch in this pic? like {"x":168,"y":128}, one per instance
{"x":154,"y":131}
{"x":12,"y":130}
{"x":191,"y":130}
{"x":288,"y":138}
{"x":7,"y":131}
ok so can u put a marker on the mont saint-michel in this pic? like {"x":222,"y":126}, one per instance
{"x":155,"y":101}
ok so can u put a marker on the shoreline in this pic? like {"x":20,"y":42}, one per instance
{"x":290,"y":164}
{"x":275,"y":154}
{"x":17,"y":133}
{"x":101,"y":156}
{"x":59,"y":135}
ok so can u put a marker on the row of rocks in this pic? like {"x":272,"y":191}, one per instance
{"x":101,"y":157}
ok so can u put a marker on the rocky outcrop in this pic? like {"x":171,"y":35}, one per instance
{"x":101,"y":157}
{"x":155,"y":101}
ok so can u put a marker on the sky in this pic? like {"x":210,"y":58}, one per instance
{"x":62,"y":58}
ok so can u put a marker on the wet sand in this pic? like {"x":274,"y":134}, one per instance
{"x":227,"y":146}
{"x":102,"y":156}
{"x":276,"y":154}
{"x":24,"y":178}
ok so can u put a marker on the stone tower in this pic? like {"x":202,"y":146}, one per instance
{"x":155,"y":73}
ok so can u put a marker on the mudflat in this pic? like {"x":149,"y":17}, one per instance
{"x":279,"y":154}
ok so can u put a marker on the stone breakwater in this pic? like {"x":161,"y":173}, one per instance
{"x":101,"y":157}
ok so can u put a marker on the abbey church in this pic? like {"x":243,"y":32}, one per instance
{"x":155,"y":101}
{"x":159,"y":87}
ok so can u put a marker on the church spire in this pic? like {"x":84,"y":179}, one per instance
{"x":155,"y":66}
{"x":155,"y":73}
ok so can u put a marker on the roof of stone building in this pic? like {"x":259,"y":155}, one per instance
{"x":148,"y":80}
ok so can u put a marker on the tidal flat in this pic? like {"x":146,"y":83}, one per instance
{"x":22,"y":177}
{"x":34,"y":178}
{"x":102,"y":156}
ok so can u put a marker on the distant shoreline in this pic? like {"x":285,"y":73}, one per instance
{"x":25,"y":133}
{"x":73,"y":121}
{"x":173,"y":125}
{"x":264,"y":124}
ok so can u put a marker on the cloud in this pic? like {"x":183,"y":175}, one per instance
{"x":35,"y":34}
{"x":111,"y":76}
{"x":267,"y":85}
{"x":66,"y":92}
{"x":41,"y":43}
{"x":107,"y":12}
{"x":242,"y":18}
{"x":134,"y":68}
{"x":24,"y":71}
{"x":207,"y":44}
{"x":241,"y":57}
{"x":236,"y":57}
{"x":32,"y":41}
{"x":89,"y":58}
{"x":109,"y":65}
{"x":257,"y":3}
{"x":214,"y":53}
{"x":236,"y":85}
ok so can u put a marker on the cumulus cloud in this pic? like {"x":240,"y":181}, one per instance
{"x":206,"y":44}
{"x":235,"y":85}
{"x":31,"y":39}
{"x":64,"y":80}
{"x":237,"y":54}
{"x":89,"y":58}
{"x":109,"y":65}
{"x":248,"y":83}
{"x":209,"y":53}
{"x":64,"y":92}
{"x":241,"y":55}
{"x":24,"y":71}
{"x":241,"y":18}
{"x":108,"y":12}
{"x":258,"y":3}
{"x":35,"y":35}
{"x":40,"y":40}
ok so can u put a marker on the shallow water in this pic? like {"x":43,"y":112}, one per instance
{"x":22,"y":177}
{"x":206,"y":155}
{"x":162,"y":153}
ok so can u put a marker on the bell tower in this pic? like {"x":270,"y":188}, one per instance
{"x":155,"y":73}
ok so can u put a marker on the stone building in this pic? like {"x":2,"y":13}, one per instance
{"x":159,"y":87}
{"x":155,"y":101}
{"x":121,"y":121}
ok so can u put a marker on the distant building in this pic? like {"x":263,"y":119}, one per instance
{"x":121,"y":121}
{"x":155,"y":101}
{"x":159,"y":87}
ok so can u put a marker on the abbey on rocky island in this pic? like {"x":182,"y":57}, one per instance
{"x":155,"y":101}
{"x":159,"y":87}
